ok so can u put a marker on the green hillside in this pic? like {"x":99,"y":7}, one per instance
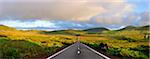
{"x":21,"y":44}
{"x":74,"y":32}
{"x":2,"y":27}
{"x":128,"y":43}
{"x":65,"y":32}
{"x":95,"y":30}
{"x":136,"y":28}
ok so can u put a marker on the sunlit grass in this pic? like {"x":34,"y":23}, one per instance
{"x":129,"y":44}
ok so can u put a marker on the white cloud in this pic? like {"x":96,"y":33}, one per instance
{"x":35,"y":23}
{"x":79,"y":10}
{"x":106,"y":12}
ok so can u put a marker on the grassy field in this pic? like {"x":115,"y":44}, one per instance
{"x":130,"y":42}
{"x":15,"y":44}
{"x":127,"y":44}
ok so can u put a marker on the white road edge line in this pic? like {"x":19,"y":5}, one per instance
{"x":59,"y":52}
{"x":96,"y":52}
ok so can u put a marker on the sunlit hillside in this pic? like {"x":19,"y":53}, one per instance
{"x":137,"y":28}
{"x":2,"y":27}
{"x":18,"y":42}
{"x":131,"y":42}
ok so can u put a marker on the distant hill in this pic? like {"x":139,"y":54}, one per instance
{"x":147,"y":27}
{"x":95,"y":30}
{"x":82,"y":32}
{"x":3,"y":27}
{"x":74,"y":32}
{"x":66,"y":32}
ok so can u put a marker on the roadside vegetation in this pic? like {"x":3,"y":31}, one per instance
{"x":126,"y":43}
{"x":16,"y":44}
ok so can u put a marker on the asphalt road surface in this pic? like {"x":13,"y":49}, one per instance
{"x":78,"y":51}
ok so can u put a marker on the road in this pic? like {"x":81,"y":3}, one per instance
{"x":77,"y":51}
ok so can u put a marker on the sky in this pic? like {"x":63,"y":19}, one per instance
{"x":74,"y":14}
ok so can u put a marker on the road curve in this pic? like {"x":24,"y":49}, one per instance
{"x":78,"y":51}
